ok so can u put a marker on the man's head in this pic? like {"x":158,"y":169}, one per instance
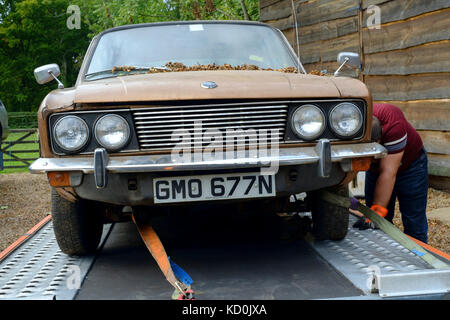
{"x":376,"y":130}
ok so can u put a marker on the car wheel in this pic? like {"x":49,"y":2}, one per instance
{"x":330,"y":222}
{"x":78,"y":226}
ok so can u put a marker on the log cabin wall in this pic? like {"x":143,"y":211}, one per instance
{"x":406,"y":58}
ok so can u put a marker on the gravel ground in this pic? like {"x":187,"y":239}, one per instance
{"x":25,"y":200}
{"x":438,"y":232}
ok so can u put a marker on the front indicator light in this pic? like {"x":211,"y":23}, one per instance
{"x":59,"y":179}
{"x":361,"y":164}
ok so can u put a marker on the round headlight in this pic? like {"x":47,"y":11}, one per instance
{"x":112,"y":131}
{"x":308,"y":122}
{"x":71,"y":133}
{"x":346,"y":119}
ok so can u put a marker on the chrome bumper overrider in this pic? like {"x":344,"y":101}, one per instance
{"x":155,"y":163}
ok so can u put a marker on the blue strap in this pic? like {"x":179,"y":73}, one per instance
{"x":180,"y":273}
{"x":419,"y":253}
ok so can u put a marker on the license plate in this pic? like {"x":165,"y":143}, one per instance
{"x":213,"y":187}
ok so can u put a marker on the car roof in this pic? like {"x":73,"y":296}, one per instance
{"x":140,"y":25}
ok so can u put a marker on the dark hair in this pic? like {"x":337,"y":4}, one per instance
{"x":376,"y":129}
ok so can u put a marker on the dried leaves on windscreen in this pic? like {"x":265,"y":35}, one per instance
{"x":180,"y":67}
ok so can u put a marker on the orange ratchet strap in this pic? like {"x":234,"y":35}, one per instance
{"x":158,"y":252}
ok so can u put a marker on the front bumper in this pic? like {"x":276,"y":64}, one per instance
{"x":197,"y":162}
{"x":128,"y":180}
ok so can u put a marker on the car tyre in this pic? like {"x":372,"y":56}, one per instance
{"x":78,"y":226}
{"x":330,"y":222}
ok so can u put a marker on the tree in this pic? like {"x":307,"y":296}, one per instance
{"x":103,"y":14}
{"x":35,"y":33}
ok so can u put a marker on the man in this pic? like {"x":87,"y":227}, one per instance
{"x":403,"y":174}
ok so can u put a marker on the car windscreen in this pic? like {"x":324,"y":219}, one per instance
{"x":191,"y":44}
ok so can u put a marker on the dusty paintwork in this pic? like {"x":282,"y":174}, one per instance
{"x":186,"y":86}
{"x":140,"y":101}
{"x":182,"y":86}
{"x":144,"y":90}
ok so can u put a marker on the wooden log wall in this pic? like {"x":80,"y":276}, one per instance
{"x":406,"y":61}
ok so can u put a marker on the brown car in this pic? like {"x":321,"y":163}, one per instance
{"x":205,"y":113}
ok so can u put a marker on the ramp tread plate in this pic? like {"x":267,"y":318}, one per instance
{"x":39,"y":270}
{"x":363,"y":252}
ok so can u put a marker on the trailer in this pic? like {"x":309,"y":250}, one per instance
{"x":228,"y":259}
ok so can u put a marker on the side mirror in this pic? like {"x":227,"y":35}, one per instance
{"x":47,"y":73}
{"x":351,"y":59}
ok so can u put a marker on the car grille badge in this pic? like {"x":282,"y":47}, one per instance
{"x":209,"y":85}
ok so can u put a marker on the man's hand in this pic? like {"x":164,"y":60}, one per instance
{"x":363,"y":224}
{"x":380,"y":210}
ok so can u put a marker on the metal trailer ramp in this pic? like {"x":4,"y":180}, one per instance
{"x":369,"y":256}
{"x":226,"y":263}
{"x":245,"y":269}
{"x":38,"y":270}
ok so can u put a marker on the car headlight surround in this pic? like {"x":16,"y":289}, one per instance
{"x":112,"y":132}
{"x":346,"y":119}
{"x":71,"y":133}
{"x":308,"y":122}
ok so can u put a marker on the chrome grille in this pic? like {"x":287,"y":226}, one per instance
{"x":155,"y":126}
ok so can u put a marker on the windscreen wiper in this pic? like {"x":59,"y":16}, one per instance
{"x":116,"y":71}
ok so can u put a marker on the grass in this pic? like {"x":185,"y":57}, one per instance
{"x":28,"y":146}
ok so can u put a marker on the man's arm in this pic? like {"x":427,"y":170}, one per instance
{"x":386,"y":180}
{"x":383,"y":189}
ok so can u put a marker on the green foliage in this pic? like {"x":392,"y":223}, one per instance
{"x":34,"y":33}
{"x":22,"y":120}
{"x":112,"y":13}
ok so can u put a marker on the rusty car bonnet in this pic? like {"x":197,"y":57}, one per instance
{"x":187,"y":86}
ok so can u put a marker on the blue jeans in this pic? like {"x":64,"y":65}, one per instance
{"x":411,"y":189}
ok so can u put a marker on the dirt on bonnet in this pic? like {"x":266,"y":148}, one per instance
{"x":25,"y":200}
